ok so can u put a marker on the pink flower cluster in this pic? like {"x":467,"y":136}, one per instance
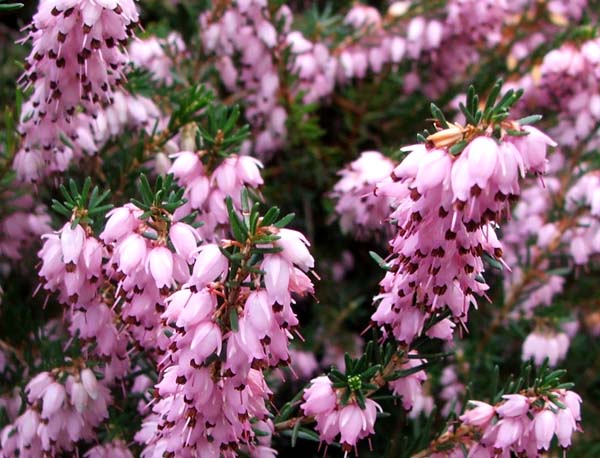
{"x":583,"y":202}
{"x":471,"y":28}
{"x":359,"y":209}
{"x":71,"y":263}
{"x":145,"y":268}
{"x":447,"y":43}
{"x":446,"y":207}
{"x":206,"y":188}
{"x":410,"y":388}
{"x":125,"y":112}
{"x":542,"y":345}
{"x":212,"y":387}
{"x":247,"y":44}
{"x":115,"y":449}
{"x":523,"y":424}
{"x":157,"y":54}
{"x":314,"y":65}
{"x":58,"y":414}
{"x":452,"y":391}
{"x":76,"y":61}
{"x":72,"y":266}
{"x":573,"y":239}
{"x":21,"y":226}
{"x":567,"y":82}
{"x":375,"y":44}
{"x":349,"y":421}
{"x":530,"y":221}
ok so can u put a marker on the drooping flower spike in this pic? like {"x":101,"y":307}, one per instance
{"x":448,"y":194}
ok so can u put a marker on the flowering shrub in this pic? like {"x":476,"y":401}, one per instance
{"x":247,"y":228}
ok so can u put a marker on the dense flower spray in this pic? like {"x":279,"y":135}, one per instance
{"x":524,"y":423}
{"x":359,"y":209}
{"x":250,"y":42}
{"x":248,"y":46}
{"x":351,"y":421}
{"x":76,"y":62}
{"x":229,"y":323}
{"x":206,"y":186}
{"x":62,"y":408}
{"x":449,"y":193}
{"x":157,"y":55}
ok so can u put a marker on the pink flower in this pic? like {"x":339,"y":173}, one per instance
{"x":90,"y":383}
{"x":79,"y":397}
{"x":544,"y":426}
{"x":225,"y":176}
{"x":508,"y":431}
{"x":160,"y":266}
{"x":248,"y":169}
{"x":319,"y":397}
{"x":71,"y":241}
{"x":37,"y":386}
{"x":206,"y":340}
{"x":184,"y":239}
{"x":28,"y":425}
{"x":481,"y":415}
{"x":573,"y":402}
{"x":565,"y":425}
{"x":121,"y":221}
{"x":54,"y":396}
{"x":433,"y":170}
{"x":516,"y":405}
{"x":351,"y":422}
{"x":442,"y":330}
{"x":356,"y":423}
{"x":277,"y":277}
{"x":533,"y":148}
{"x":482,"y":155}
{"x":132,"y":253}
{"x":258,"y":312}
{"x":295,"y":249}
{"x":210,"y":265}
{"x":197,"y":308}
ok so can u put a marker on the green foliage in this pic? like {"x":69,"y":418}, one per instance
{"x":220,"y":133}
{"x":9,"y":6}
{"x":165,"y":195}
{"x":81,"y":206}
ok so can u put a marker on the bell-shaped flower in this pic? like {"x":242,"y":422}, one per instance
{"x":132,"y":253}
{"x":480,"y":415}
{"x":210,"y":265}
{"x":516,"y":405}
{"x":277,"y":277}
{"x":544,"y":425}
{"x":53,"y":399}
{"x":71,"y":242}
{"x":160,"y":266}
{"x":184,"y":238}
{"x":295,"y":248}
{"x":319,"y":397}
{"x":207,"y":339}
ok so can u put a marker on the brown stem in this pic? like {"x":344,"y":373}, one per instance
{"x":5,"y":346}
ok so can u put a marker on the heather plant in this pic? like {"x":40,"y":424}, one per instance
{"x":251,"y":228}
